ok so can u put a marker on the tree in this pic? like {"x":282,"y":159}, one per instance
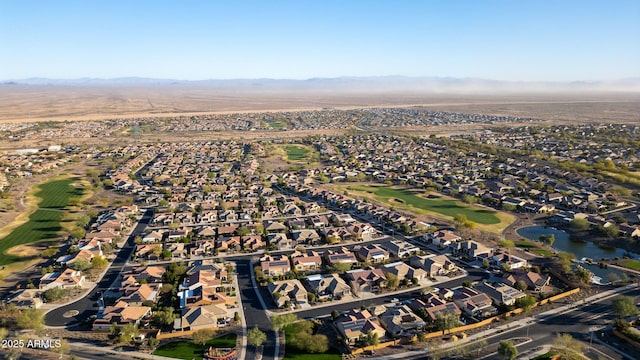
{"x":508,"y":349}
{"x":579,"y":224}
{"x":153,"y":342}
{"x":32,"y":319}
{"x":521,"y":285}
{"x":200,"y":337}
{"x":392,"y":281}
{"x":278,"y":322}
{"x":526,"y":302}
{"x":64,"y":347}
{"x":565,"y":259}
{"x":568,"y":347}
{"x":81,"y":265}
{"x":624,"y":306}
{"x":611,"y":231}
{"x":54,"y":294}
{"x":99,"y":262}
{"x":243,"y":231}
{"x":447,"y":321}
{"x":507,"y":244}
{"x":334,"y":314}
{"x":164,"y":317}
{"x":128,"y":332}
{"x":78,"y":233}
{"x":3,"y":333}
{"x":255,"y":337}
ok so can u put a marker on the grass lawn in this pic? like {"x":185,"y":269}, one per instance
{"x":524,"y":244}
{"x":188,"y":350}
{"x":44,"y":223}
{"x":275,"y":124}
{"x":448,"y":207}
{"x":296,"y":153}
{"x":632,"y":264}
{"x":543,"y":252}
{"x":293,"y":354}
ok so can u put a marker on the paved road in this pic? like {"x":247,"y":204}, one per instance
{"x":254,"y":313}
{"x":88,"y":305}
{"x":579,"y":323}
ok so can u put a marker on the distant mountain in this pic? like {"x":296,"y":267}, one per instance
{"x":376,"y":84}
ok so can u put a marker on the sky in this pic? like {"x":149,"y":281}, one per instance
{"x":514,"y":40}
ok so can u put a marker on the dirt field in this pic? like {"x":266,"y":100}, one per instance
{"x":20,"y":103}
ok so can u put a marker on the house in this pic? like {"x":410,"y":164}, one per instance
{"x":26,"y":299}
{"x":288,"y":292}
{"x":153,"y":236}
{"x":357,"y":323}
{"x":500,"y":293}
{"x":148,"y":251}
{"x":148,"y":273}
{"x":399,"y":321}
{"x":305,"y":236}
{"x":434,"y":265}
{"x":401,"y":249}
{"x":501,"y":258}
{"x":201,"y":317}
{"x":474,"y":250}
{"x":230,"y":244}
{"x":275,"y":265}
{"x":121,"y":313}
{"x":202,"y":248}
{"x":534,"y":281}
{"x":177,"y":250}
{"x":342,"y":255}
{"x":366,"y":280}
{"x":311,"y":261}
{"x":67,"y":279}
{"x":136,"y":294}
{"x":274,"y":226}
{"x":442,"y":238}
{"x":404,"y":271}
{"x":372,"y":253}
{"x":329,"y":286}
{"x":474,"y":303}
{"x":279,"y":241}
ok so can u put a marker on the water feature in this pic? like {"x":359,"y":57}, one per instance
{"x":581,"y":249}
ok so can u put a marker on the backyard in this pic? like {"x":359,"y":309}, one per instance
{"x":188,"y":350}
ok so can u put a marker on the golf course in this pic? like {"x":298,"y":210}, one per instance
{"x":418,"y":202}
{"x":44,"y":223}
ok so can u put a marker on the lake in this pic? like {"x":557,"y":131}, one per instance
{"x":582,"y":249}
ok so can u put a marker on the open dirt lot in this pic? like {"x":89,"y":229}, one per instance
{"x":19,"y":103}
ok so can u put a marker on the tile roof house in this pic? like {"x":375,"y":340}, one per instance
{"x":404,"y":271}
{"x":342,"y":255}
{"x":369,"y":280}
{"x":356,"y":323}
{"x":474,"y":303}
{"x":121,"y":313}
{"x":534,"y":281}
{"x":66,"y":279}
{"x":329,"y":286}
{"x":433,"y":265}
{"x":399,"y":321}
{"x":275,"y":265}
{"x":500,"y":293}
{"x":311,"y":261}
{"x":372,"y":253}
{"x":200,"y":317}
{"x":400,"y":248}
{"x":288,"y":291}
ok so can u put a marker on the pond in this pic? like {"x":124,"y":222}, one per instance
{"x":581,"y":249}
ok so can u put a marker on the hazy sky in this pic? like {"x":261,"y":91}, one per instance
{"x":550,"y":40}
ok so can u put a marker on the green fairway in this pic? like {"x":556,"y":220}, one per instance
{"x":524,"y":244}
{"x":275,"y":124}
{"x":632,"y":264}
{"x":408,"y":198}
{"x":296,"y":153}
{"x":542,"y":252}
{"x":188,"y":350}
{"x":44,"y":223}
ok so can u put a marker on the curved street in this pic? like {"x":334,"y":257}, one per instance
{"x":87,"y":306}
